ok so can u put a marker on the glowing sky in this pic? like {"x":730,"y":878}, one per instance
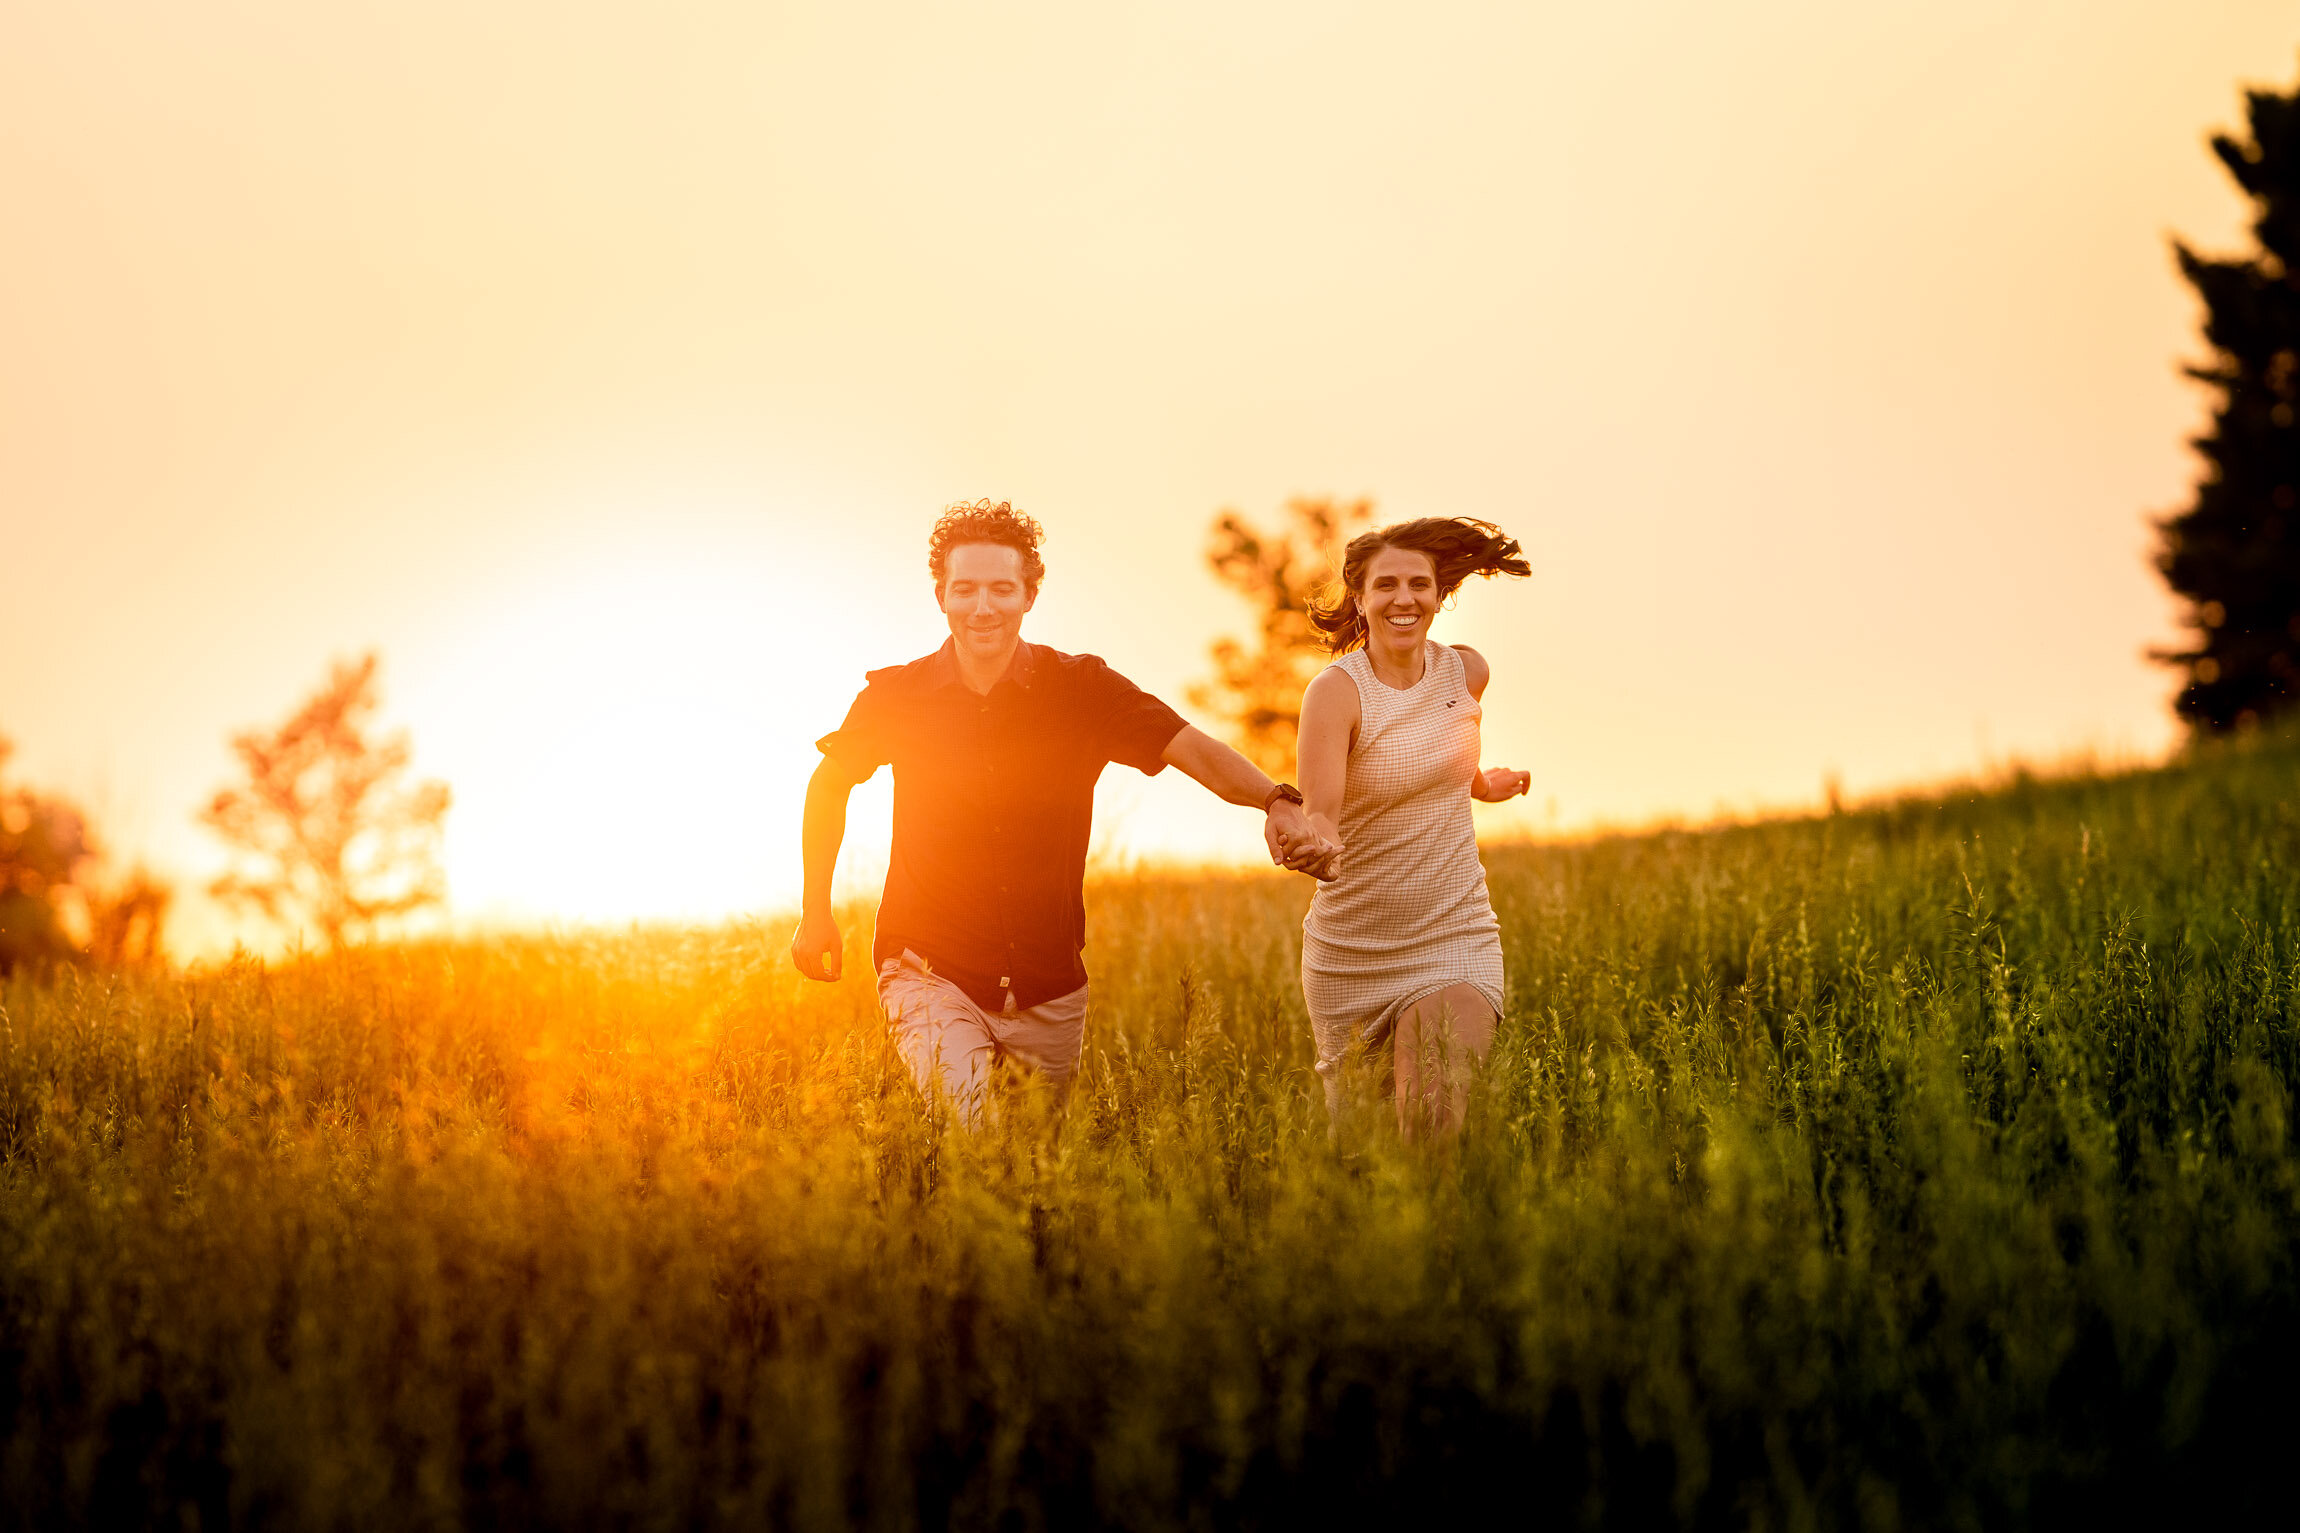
{"x":604,"y":366}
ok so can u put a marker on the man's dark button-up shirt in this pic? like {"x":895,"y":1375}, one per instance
{"x":993,"y":809}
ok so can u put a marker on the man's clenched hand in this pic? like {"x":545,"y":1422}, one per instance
{"x":816,"y":946}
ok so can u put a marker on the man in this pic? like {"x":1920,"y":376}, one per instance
{"x":996,"y":745}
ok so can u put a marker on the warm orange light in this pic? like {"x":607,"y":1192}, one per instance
{"x":632,"y":740}
{"x":1824,"y":358}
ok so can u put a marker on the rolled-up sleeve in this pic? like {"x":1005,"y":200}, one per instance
{"x":865,"y":741}
{"x":1131,"y":727}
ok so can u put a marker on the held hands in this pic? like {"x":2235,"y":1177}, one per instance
{"x":1295,"y":843}
{"x":1494,"y":784}
{"x":816,"y":946}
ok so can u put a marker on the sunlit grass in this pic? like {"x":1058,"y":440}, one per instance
{"x":1927,"y":1165}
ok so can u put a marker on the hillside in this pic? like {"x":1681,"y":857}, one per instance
{"x":1918,"y":1165}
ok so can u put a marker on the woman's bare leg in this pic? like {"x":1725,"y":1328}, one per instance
{"x":1440,"y":1039}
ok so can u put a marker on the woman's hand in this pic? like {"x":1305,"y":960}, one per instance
{"x":1494,"y":784}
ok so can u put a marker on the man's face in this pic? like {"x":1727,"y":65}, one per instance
{"x":984,"y":597}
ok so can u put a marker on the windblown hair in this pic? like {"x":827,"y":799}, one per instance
{"x":986,"y":521}
{"x":1458,"y":547}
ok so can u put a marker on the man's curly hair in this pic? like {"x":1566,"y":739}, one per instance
{"x":986,"y":521}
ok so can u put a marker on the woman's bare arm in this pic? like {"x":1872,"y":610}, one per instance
{"x":1330,"y":714}
{"x":1475,"y":671}
{"x":1492,"y":784}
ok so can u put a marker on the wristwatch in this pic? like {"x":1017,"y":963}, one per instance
{"x":1284,"y":790}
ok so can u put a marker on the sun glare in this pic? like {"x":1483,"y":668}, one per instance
{"x":632,"y":741}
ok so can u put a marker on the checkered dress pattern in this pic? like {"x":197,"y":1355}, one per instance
{"x":1409,"y":914}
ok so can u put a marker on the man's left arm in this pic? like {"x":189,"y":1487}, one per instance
{"x":1235,"y":780}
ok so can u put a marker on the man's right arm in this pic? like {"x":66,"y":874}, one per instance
{"x":816,"y":947}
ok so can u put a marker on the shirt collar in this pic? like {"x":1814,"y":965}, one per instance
{"x":942,"y":669}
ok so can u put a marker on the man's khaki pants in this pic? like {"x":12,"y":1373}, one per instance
{"x":950,"y":1043}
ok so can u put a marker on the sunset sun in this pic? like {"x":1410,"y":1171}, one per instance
{"x":627,"y":739}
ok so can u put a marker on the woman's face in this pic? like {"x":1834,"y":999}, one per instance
{"x":1399,"y":600}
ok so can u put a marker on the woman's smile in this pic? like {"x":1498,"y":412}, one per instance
{"x":1401,"y":598}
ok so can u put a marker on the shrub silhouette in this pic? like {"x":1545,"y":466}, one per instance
{"x":53,"y":881}
{"x":127,"y":918}
{"x":44,"y":842}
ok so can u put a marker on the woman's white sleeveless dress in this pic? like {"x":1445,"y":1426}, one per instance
{"x":1409,"y":914}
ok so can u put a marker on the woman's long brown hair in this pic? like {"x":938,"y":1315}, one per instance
{"x":1458,"y":547}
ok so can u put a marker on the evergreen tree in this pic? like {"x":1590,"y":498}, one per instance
{"x":2235,"y":552}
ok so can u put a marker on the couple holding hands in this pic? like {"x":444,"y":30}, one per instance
{"x":996,"y":745}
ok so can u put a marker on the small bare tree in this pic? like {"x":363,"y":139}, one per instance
{"x":325,"y":829}
{"x":1258,"y":691}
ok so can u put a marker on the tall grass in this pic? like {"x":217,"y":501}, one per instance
{"x":1923,"y":1166}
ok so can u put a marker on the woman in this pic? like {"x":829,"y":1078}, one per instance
{"x":1403,"y":941}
